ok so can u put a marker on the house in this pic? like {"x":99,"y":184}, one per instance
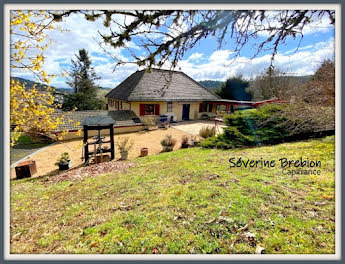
{"x":155,"y":93}
{"x":163,"y":92}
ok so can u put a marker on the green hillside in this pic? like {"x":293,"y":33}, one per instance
{"x":189,"y":201}
{"x":40,"y":86}
{"x":211,"y":85}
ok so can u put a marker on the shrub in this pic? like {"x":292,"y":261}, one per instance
{"x":184,"y":139}
{"x":64,"y":158}
{"x":149,"y":121}
{"x":236,"y":138}
{"x":124,"y":144}
{"x":251,"y":127}
{"x":168,"y":141}
{"x":272,"y":124}
{"x":207,"y":131}
{"x":209,"y":142}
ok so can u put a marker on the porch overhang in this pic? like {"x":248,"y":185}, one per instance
{"x":230,"y":102}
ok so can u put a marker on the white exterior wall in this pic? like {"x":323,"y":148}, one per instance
{"x":177,"y":108}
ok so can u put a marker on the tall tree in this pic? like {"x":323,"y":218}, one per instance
{"x":274,"y":82}
{"x":82,"y":75}
{"x":314,"y":109}
{"x":321,"y":87}
{"x":82,"y":80}
{"x":234,"y":89}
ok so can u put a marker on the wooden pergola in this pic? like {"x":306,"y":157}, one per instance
{"x":98,"y":123}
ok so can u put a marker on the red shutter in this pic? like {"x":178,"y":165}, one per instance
{"x":142,"y":109}
{"x":156,"y":109}
{"x":200,"y":108}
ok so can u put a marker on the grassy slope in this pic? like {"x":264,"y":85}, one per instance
{"x":168,"y":202}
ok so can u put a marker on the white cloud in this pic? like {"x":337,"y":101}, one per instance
{"x":220,"y":55}
{"x":317,"y":25}
{"x":220,"y":65}
{"x":195,"y":56}
{"x":80,"y":33}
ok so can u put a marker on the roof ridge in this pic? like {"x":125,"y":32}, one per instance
{"x":127,"y":79}
{"x":158,"y":69}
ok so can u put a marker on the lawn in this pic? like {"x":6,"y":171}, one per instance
{"x":186,"y":201}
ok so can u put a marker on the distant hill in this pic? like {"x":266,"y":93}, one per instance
{"x":106,"y":89}
{"x":214,"y":85}
{"x":302,"y":79}
{"x":211,"y":85}
{"x":40,"y":86}
{"x":30,"y":84}
{"x":64,"y":90}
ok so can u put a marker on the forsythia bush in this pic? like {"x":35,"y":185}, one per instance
{"x":31,"y":110}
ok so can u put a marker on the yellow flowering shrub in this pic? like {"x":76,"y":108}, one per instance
{"x":31,"y":110}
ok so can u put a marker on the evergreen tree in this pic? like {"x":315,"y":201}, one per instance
{"x":82,"y":80}
{"x":234,"y":89}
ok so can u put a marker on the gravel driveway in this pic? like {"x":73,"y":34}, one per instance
{"x":45,"y":159}
{"x":193,"y":127}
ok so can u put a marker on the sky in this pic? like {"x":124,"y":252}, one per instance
{"x":203,"y":62}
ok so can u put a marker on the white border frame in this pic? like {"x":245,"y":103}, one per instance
{"x":336,"y":256}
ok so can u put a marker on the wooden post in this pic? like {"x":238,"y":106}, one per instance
{"x":112,"y":141}
{"x":86,"y":146}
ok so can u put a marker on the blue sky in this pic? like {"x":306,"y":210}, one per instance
{"x":203,"y":62}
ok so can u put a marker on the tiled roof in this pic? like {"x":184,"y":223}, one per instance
{"x":121,"y":118}
{"x":161,"y":85}
{"x":98,"y":120}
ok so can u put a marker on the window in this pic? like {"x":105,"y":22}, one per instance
{"x":203,"y":107}
{"x":149,"y":109}
{"x":210,"y":107}
{"x":169,"y":106}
